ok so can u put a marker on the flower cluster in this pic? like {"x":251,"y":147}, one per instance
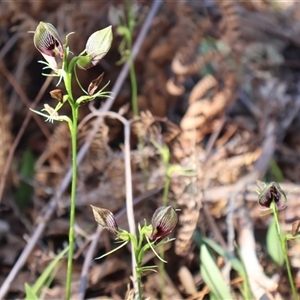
{"x":163,"y":222}
{"x":48,"y":43}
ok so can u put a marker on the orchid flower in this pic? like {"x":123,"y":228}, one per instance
{"x":48,"y":43}
{"x":267,"y":193}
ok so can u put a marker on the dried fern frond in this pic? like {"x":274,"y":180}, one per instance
{"x":202,"y":87}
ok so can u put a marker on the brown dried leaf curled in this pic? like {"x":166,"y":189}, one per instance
{"x":93,"y":86}
{"x":57,"y":94}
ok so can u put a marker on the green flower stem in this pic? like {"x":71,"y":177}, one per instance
{"x":73,"y":199}
{"x":134,"y":102}
{"x":139,"y":254}
{"x":73,"y":131}
{"x":139,"y":278}
{"x":283,"y":242}
{"x":166,"y":188}
{"x":139,"y":258}
{"x":162,"y":252}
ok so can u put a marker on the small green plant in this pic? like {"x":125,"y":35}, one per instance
{"x":170,"y":169}
{"x":211,"y":273}
{"x":33,"y":292}
{"x":273,"y":198}
{"x":125,"y":29}
{"x":48,"y":43}
{"x":149,"y":237}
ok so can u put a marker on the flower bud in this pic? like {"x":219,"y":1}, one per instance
{"x":271,"y":192}
{"x":163,"y":222}
{"x":96,"y":48}
{"x":105,"y":218}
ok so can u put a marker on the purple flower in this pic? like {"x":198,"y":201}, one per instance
{"x":47,"y":42}
{"x":163,"y":222}
{"x":271,"y":192}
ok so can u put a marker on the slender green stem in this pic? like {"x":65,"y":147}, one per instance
{"x":162,"y":252}
{"x":134,"y":91}
{"x":138,"y":258}
{"x":283,"y":242}
{"x":73,"y":199}
{"x":166,"y":188}
{"x":135,"y":107}
{"x":139,"y":279}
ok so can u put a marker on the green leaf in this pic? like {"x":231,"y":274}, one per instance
{"x":212,"y":275}
{"x":30,"y":294}
{"x":276,"y":171}
{"x":25,"y":191}
{"x":236,"y":264}
{"x":274,"y":245}
{"x":40,"y":282}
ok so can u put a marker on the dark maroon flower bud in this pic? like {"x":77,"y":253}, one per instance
{"x":163,"y":222}
{"x":271,"y":192}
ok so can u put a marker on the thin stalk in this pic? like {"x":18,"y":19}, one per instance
{"x":135,"y":107}
{"x":129,"y":200}
{"x":73,"y":131}
{"x":166,"y":189}
{"x":133,"y":82}
{"x":283,"y":242}
{"x":162,"y":252}
{"x":139,"y":279}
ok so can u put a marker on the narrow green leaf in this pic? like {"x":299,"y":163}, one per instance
{"x":274,"y":245}
{"x":276,"y":171}
{"x":40,"y":282}
{"x":29,"y":293}
{"x":212,"y":275}
{"x":236,"y":264}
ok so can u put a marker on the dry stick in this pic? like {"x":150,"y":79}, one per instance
{"x":8,"y":45}
{"x":128,"y":184}
{"x":18,"y":73}
{"x":18,"y":137}
{"x":16,"y":86}
{"x":66,"y":180}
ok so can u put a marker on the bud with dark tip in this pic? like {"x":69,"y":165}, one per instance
{"x":106,"y":219}
{"x":163,"y":222}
